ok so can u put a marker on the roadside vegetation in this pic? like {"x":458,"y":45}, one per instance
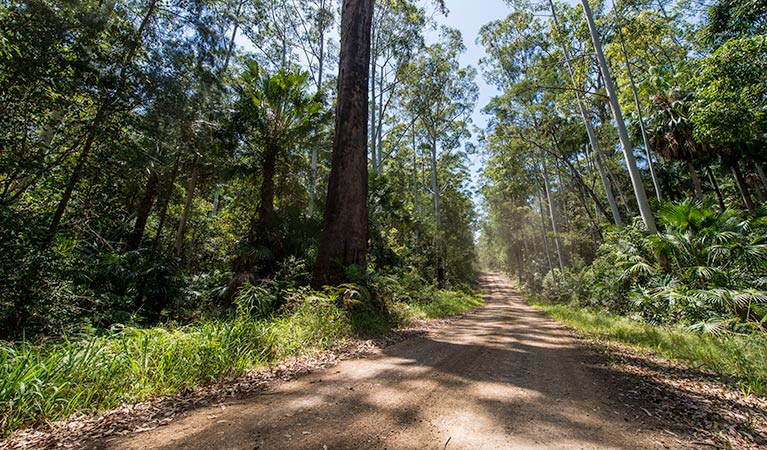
{"x":641,"y":219}
{"x":739,"y":359}
{"x":692,"y":293}
{"x":49,"y":381}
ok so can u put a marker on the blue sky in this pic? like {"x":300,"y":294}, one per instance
{"x":469,"y":16}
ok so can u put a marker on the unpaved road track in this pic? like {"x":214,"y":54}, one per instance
{"x":503,"y":377}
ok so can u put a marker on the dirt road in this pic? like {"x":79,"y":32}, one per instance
{"x":503,"y":377}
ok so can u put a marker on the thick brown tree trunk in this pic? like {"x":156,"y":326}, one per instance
{"x":345,"y":235}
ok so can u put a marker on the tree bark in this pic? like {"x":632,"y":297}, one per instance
{"x":143,"y":211}
{"x":268,"y":170}
{"x":735,"y":168}
{"x":552,"y":212}
{"x":190,"y":188}
{"x":544,"y":232}
{"x":437,"y":214}
{"x":695,"y":181}
{"x":98,"y":119}
{"x":628,"y":151}
{"x":593,"y":140}
{"x":315,"y":147}
{"x":638,"y":104}
{"x":715,"y":185}
{"x":373,"y":105}
{"x":760,"y":172}
{"x":165,"y":203}
{"x":345,"y":234}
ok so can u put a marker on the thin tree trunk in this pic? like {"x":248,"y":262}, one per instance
{"x":552,"y":212}
{"x":715,"y":185}
{"x":628,"y":151}
{"x":165,"y":203}
{"x":415,"y":173}
{"x":94,"y":127}
{"x":760,"y":172}
{"x":695,"y":181}
{"x":216,"y":201}
{"x":593,"y":140}
{"x":230,"y":47}
{"x":268,"y":171}
{"x":345,"y":235}
{"x":735,"y":168}
{"x":373,"y":106}
{"x":315,"y":147}
{"x":544,"y":232}
{"x":638,"y":104}
{"x":380,"y":124}
{"x":74,"y":178}
{"x":190,"y":188}
{"x":143,"y":211}
{"x":437,"y":213}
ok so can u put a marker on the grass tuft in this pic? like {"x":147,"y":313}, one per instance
{"x":53,"y":381}
{"x":735,"y":356}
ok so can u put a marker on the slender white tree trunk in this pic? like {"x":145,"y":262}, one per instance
{"x":593,"y":140}
{"x":552,"y":212}
{"x":638,"y":104}
{"x":628,"y":150}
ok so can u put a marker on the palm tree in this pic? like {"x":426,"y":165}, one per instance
{"x":275,"y":116}
{"x":671,"y":134}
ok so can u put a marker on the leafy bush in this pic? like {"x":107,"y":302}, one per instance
{"x":45,"y":382}
{"x":705,"y":269}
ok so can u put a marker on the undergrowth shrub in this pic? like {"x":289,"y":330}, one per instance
{"x":272,"y":320}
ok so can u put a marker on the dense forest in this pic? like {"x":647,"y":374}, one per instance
{"x":626,"y":158}
{"x":175,"y":176}
{"x":157,"y":156}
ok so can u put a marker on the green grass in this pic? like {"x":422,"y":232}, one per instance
{"x":739,"y":357}
{"x":442,"y":304}
{"x":50,"y":382}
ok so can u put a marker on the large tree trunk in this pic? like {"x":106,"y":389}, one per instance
{"x":628,"y":151}
{"x":345,"y":234}
{"x":143,"y":211}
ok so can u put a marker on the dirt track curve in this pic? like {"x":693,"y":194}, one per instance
{"x":502,"y":377}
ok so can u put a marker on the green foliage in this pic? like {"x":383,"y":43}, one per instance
{"x":51,"y":381}
{"x":737,"y":356}
{"x":704,"y":270}
{"x":731,"y":92}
